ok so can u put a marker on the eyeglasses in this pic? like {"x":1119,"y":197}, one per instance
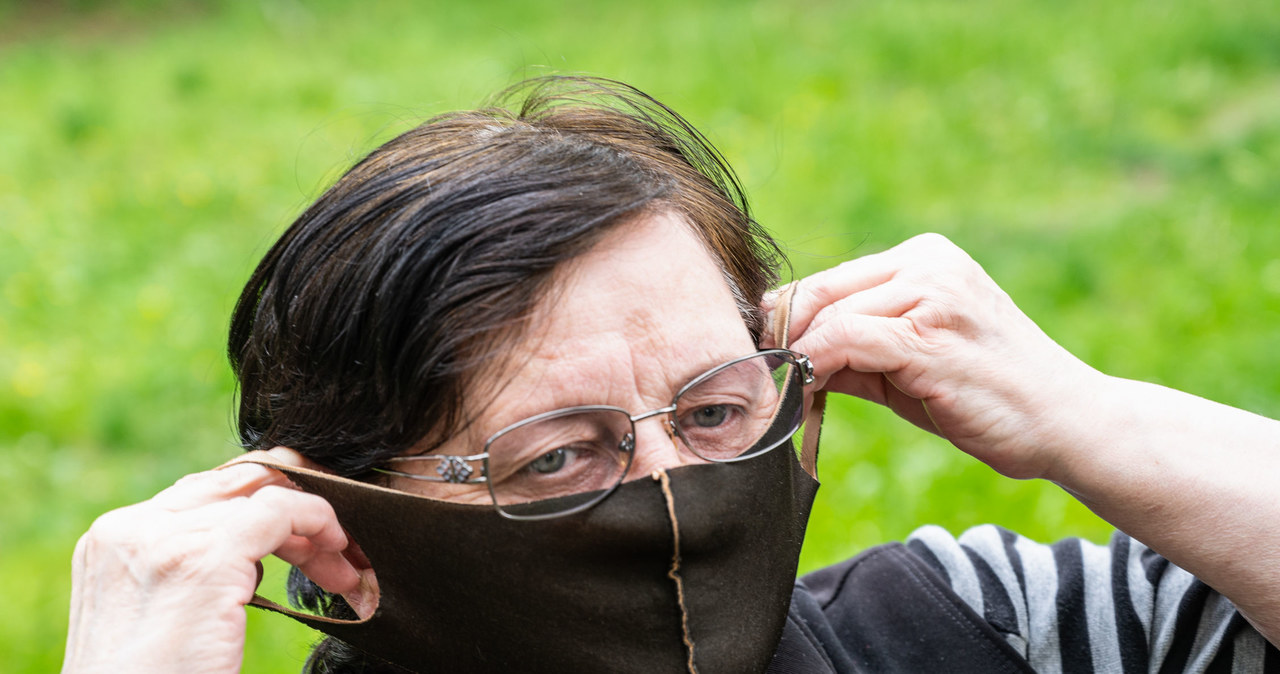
{"x":567,"y":460}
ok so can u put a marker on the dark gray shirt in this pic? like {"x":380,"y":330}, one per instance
{"x":995,"y":601}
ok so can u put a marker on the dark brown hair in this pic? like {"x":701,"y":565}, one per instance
{"x":358,"y":333}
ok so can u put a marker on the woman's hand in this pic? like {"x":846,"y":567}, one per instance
{"x":162,"y":585}
{"x":922,"y":329}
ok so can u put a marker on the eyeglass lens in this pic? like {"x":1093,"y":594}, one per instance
{"x":564,"y":457}
{"x":560,"y":462}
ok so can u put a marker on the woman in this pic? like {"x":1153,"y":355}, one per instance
{"x":547,"y":322}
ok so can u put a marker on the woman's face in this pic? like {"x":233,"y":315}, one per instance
{"x":627,"y":324}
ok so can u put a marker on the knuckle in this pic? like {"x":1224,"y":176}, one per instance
{"x":834,"y":332}
{"x":210,"y":479}
{"x":277,"y":496}
{"x":844,"y":268}
{"x":123,"y":534}
{"x":935,"y":313}
{"x":234,"y":478}
{"x":114,"y":526}
{"x":227,"y":481}
{"x":933,"y":239}
{"x":279,"y":500}
{"x":938,"y":253}
{"x":931,"y":244}
{"x":182,"y":556}
{"x":170,"y":555}
{"x":905,"y":336}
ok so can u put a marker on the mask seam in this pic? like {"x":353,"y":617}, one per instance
{"x":674,"y":574}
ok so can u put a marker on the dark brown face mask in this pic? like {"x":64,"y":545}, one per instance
{"x":687,"y":570}
{"x":464,"y":589}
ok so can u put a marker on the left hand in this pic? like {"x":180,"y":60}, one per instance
{"x":923,"y":330}
{"x":162,"y":585}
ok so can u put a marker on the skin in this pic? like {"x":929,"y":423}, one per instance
{"x":922,"y":329}
{"x":628,"y":324}
{"x":617,"y":330}
{"x":919,"y":328}
{"x":162,"y":585}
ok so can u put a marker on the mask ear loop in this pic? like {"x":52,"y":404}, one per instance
{"x":259,"y":601}
{"x":818,"y":404}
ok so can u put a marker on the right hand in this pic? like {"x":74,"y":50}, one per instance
{"x":922,"y":329}
{"x":162,"y":585}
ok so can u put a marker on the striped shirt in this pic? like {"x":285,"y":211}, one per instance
{"x":1074,"y":606}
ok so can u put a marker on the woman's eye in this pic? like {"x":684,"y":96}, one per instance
{"x":711,"y":415}
{"x":552,"y":461}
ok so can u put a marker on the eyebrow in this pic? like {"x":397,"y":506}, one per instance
{"x":525,"y":411}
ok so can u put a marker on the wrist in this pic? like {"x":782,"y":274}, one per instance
{"x":1080,"y":420}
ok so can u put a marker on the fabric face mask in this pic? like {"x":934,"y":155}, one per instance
{"x":687,"y":570}
{"x":464,"y":589}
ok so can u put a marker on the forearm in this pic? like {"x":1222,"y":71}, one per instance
{"x":1196,"y":481}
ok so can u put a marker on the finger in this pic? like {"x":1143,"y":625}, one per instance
{"x":924,"y":251}
{"x":316,"y":541}
{"x":861,"y":343}
{"x":240,"y":477}
{"x":261,"y":523}
{"x":885,"y":299}
{"x":298,"y":550}
{"x":302,"y":553}
{"x":890,"y":300}
{"x":300,"y":528}
{"x":332,"y":571}
{"x":364,"y":598}
{"x":278,"y":513}
{"x":326,"y":569}
{"x":274,"y":457}
{"x":830,"y":285}
{"x":289,"y":457}
{"x":199,"y":489}
{"x":877,"y":388}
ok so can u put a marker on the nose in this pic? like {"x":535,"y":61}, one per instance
{"x":657,"y":446}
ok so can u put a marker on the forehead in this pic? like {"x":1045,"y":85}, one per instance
{"x":652,"y":283}
{"x":626,"y":324}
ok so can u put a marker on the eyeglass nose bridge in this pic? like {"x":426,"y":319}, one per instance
{"x":653,"y":413}
{"x":671,"y":424}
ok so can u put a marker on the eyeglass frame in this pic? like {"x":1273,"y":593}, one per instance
{"x":455,"y":468}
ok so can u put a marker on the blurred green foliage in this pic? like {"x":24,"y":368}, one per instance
{"x":1113,"y":164}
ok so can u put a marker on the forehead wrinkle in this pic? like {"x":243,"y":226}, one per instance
{"x":577,"y":364}
{"x":631,"y":367}
{"x":650,"y":298}
{"x":654,"y":377}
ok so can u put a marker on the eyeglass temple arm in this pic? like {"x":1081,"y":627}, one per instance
{"x":452,"y":469}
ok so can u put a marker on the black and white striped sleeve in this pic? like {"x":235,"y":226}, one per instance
{"x":1074,"y":606}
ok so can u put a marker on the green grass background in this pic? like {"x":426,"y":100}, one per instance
{"x":1114,"y":164}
